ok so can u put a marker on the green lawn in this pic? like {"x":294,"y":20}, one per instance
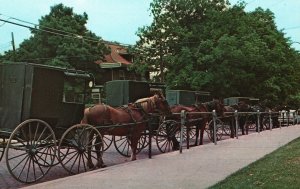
{"x":280,"y":169}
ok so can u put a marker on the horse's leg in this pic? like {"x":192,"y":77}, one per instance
{"x":232,"y":128}
{"x":133,"y":144}
{"x":242,"y":124}
{"x":98,"y":145}
{"x":197,"y":133}
{"x":202,"y":128}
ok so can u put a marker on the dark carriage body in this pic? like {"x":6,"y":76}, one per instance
{"x":120,"y":92}
{"x":235,"y":100}
{"x":187,"y":98}
{"x":35,"y":91}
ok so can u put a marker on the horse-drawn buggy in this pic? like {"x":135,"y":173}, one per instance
{"x":43,"y":121}
{"x":34,"y":116}
{"x":198,"y":108}
{"x":244,"y":113}
{"x":121,"y":94}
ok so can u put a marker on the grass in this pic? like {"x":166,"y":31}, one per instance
{"x":280,"y":169}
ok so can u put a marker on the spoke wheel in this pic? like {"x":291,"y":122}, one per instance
{"x":266,"y":123}
{"x":122,"y":144}
{"x":226,"y":128}
{"x":75,"y":145}
{"x":27,"y":156}
{"x":107,"y":141}
{"x":168,"y":136}
{"x":192,"y":133}
{"x":219,"y":130}
{"x":250,"y":122}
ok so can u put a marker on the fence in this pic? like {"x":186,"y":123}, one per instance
{"x":284,"y":118}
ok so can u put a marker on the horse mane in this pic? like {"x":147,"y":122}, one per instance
{"x":144,"y":102}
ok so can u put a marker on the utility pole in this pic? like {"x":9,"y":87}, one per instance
{"x":13,"y":45}
{"x":13,"y":42}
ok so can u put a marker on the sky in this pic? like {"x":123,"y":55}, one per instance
{"x":119,"y":20}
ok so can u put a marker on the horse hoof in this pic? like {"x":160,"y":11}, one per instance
{"x":91,"y":166}
{"x":101,"y":165}
{"x":175,"y":148}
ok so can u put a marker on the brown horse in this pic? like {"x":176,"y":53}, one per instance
{"x":199,"y":120}
{"x":129,"y":120}
{"x":230,"y":119}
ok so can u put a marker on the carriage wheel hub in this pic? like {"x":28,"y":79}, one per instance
{"x":32,"y":151}
{"x":81,"y":150}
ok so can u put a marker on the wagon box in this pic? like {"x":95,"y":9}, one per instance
{"x":35,"y":91}
{"x":120,"y":92}
{"x":186,"y":97}
{"x":35,"y":112}
{"x":235,"y":100}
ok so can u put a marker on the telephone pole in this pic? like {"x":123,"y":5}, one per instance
{"x":13,"y":42}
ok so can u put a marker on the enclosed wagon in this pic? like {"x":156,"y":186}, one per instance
{"x":39,"y":108}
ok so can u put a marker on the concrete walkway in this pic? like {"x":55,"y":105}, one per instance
{"x":199,"y":167}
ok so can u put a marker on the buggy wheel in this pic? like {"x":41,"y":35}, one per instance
{"x":80,"y":149}
{"x":250,"y":122}
{"x":122,"y":145}
{"x":192,"y":132}
{"x":168,"y":135}
{"x":107,"y":141}
{"x":266,"y":123}
{"x":219,"y":130}
{"x":226,"y":128}
{"x":27,"y":157}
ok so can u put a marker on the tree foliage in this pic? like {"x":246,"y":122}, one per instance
{"x":210,"y":45}
{"x":61,"y":39}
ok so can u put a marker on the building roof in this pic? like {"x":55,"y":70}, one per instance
{"x":115,"y":58}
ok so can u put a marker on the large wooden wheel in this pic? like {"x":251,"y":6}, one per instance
{"x":122,"y":144}
{"x":251,"y":122}
{"x":227,"y":127}
{"x":219,"y":130}
{"x":28,"y":157}
{"x":107,"y":141}
{"x":80,"y":149}
{"x":266,"y":123}
{"x":168,"y":136}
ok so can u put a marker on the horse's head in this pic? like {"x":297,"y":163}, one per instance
{"x":219,"y":107}
{"x":215,"y":105}
{"x":155,"y":103}
{"x":161,"y":104}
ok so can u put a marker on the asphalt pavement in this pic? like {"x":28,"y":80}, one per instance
{"x":197,"y":167}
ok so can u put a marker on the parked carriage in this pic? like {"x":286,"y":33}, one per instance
{"x":44,"y":121}
{"x":198,"y":106}
{"x":120,"y":93}
{"x":38,"y":114}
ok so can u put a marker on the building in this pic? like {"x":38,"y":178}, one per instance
{"x":115,"y":65}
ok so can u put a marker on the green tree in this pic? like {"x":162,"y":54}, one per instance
{"x":209,"y":45}
{"x":61,"y":39}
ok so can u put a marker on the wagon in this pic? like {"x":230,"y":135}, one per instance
{"x":40,"y":111}
{"x":168,"y":133}
{"x":122,"y":92}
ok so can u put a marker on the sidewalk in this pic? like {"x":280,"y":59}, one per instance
{"x":198,"y":167}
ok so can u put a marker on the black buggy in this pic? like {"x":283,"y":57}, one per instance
{"x":40,"y":111}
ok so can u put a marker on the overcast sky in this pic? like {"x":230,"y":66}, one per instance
{"x":119,"y":20}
